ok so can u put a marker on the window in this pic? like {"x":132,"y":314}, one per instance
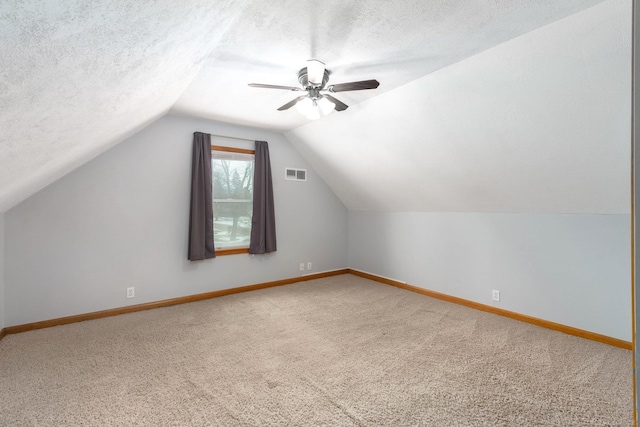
{"x":232,"y":176}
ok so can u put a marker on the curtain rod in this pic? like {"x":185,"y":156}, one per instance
{"x":233,"y":137}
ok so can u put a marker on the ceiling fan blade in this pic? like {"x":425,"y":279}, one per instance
{"x":291,"y":103}
{"x":340,"y":106}
{"x":362,"y":85}
{"x":274,"y":86}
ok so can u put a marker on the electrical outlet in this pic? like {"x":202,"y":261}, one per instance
{"x":131,"y":292}
{"x":495,"y":295}
{"x":302,"y":266}
{"x":309,"y":266}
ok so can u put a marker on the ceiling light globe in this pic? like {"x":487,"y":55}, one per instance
{"x":304,"y":106}
{"x":315,"y":72}
{"x":314,"y":113}
{"x":326,"y":106}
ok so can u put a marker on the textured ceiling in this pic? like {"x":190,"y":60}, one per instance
{"x":538,"y":124}
{"x":79,"y":76}
{"x":394,"y":42}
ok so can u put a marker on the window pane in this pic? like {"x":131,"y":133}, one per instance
{"x":231,"y":224}
{"x":232,"y":175}
{"x":232,"y":179}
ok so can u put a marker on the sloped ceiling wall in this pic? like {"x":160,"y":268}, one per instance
{"x":79,"y":76}
{"x":539,"y":124}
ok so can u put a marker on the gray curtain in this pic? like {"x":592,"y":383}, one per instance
{"x":201,"y":213}
{"x":263,"y":221}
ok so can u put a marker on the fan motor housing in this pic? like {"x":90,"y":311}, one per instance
{"x":304,"y":80}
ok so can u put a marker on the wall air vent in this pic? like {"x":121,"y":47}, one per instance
{"x":292,"y":174}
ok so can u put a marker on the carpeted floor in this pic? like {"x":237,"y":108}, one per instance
{"x":340,"y":351}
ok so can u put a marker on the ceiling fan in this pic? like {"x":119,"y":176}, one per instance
{"x":317,"y":101}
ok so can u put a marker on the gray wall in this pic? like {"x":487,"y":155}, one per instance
{"x":1,"y":270}
{"x":122,"y":220}
{"x":570,"y":269}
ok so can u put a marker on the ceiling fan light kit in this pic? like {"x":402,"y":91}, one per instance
{"x":313,"y":109}
{"x":317,"y":102}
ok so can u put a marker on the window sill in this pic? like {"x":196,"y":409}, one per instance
{"x":231,"y":251}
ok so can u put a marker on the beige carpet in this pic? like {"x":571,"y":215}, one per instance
{"x":341,"y":351}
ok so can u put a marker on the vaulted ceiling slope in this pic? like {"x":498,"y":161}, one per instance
{"x":77,"y":77}
{"x":538,"y":124}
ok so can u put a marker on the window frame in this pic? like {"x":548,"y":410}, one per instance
{"x":238,"y":249}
